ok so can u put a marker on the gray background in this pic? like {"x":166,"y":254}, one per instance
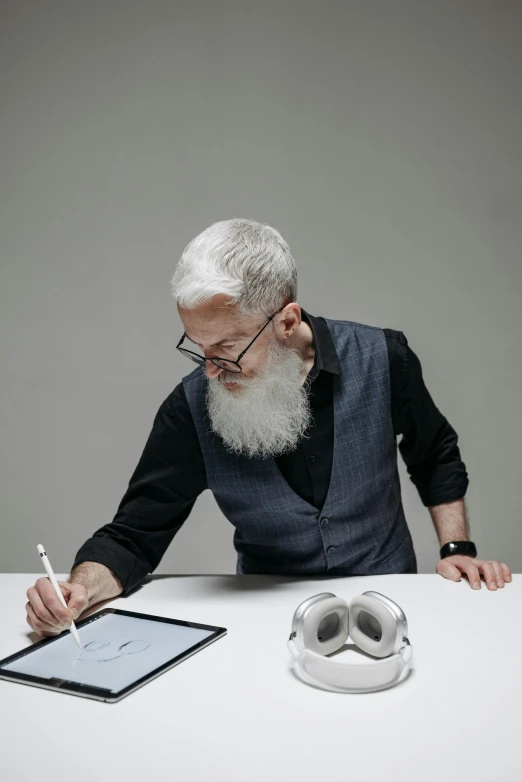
{"x":382,"y":139}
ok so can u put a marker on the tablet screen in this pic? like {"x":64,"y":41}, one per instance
{"x":117,"y":650}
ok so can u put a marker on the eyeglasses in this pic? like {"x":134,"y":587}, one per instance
{"x":222,"y":363}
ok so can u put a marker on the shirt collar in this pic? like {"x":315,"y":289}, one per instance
{"x":325,"y":353}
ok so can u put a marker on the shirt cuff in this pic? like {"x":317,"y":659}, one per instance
{"x":450,"y":491}
{"x":128,"y":568}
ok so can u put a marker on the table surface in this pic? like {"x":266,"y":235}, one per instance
{"x":235,"y":711}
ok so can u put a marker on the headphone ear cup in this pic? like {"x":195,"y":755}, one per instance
{"x":372,"y":626}
{"x":325,"y":626}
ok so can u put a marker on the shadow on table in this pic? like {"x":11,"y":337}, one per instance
{"x":243,"y":582}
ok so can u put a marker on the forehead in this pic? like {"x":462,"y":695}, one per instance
{"x":216,"y":322}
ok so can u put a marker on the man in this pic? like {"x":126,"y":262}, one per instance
{"x":291,"y":421}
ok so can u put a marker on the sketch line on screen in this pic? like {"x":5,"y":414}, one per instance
{"x":113,"y":652}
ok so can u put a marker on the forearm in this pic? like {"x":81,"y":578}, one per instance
{"x":101,"y":583}
{"x":450,"y":521}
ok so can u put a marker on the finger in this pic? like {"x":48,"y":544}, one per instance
{"x":473,"y":574}
{"x":450,"y":571}
{"x":51,"y":600}
{"x":499,"y":579}
{"x":39,"y":626}
{"x":506,"y":572}
{"x":40,"y":609}
{"x":489,"y":575}
{"x":65,"y":589}
{"x":78,"y":601}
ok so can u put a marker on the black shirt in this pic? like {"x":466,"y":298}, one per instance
{"x":171,"y":471}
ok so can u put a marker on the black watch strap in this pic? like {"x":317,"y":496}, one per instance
{"x":465,"y":547}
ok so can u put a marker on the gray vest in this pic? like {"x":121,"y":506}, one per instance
{"x":361,"y":528}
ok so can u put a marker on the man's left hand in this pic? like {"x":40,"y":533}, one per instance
{"x":454,"y":567}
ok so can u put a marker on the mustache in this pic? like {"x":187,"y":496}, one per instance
{"x":229,"y":377}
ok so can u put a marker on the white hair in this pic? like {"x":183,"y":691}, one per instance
{"x":248,"y":261}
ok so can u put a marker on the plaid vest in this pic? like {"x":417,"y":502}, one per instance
{"x":361,"y":528}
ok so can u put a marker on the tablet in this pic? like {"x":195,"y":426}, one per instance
{"x":121,"y":651}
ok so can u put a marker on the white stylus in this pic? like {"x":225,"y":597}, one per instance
{"x":54,"y":582}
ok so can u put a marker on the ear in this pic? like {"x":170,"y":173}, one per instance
{"x":288,"y":320}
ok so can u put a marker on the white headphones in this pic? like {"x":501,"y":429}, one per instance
{"x":376,"y":624}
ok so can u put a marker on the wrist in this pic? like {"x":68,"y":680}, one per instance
{"x":464,"y":547}
{"x":99,"y":581}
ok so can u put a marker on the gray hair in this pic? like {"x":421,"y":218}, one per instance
{"x":246,"y":260}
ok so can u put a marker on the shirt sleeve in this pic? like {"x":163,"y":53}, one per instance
{"x":161,"y":493}
{"x":429,"y":445}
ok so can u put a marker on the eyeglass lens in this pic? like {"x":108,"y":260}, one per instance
{"x":222,"y":363}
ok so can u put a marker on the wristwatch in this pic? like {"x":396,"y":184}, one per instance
{"x":465,"y":547}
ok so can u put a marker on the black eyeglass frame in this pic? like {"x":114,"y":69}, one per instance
{"x":202,"y":360}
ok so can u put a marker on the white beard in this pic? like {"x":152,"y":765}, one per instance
{"x":269,"y":414}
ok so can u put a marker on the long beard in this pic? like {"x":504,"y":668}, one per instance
{"x":269,"y":414}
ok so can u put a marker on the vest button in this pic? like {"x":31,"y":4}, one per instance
{"x":311,"y":459}
{"x":330,"y":550}
{"x":324,"y":522}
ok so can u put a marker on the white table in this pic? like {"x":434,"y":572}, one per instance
{"x":234,"y":711}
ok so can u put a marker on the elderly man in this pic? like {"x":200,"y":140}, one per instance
{"x":291,"y":421}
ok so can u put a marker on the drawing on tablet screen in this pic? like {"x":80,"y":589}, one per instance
{"x":106,"y":651}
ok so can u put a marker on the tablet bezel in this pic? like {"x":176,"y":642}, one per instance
{"x":99,"y":693}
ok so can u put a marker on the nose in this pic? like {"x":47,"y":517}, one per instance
{"x":211,"y":370}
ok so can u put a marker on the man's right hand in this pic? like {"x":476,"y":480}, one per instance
{"x":89,"y":583}
{"x":45,"y":613}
